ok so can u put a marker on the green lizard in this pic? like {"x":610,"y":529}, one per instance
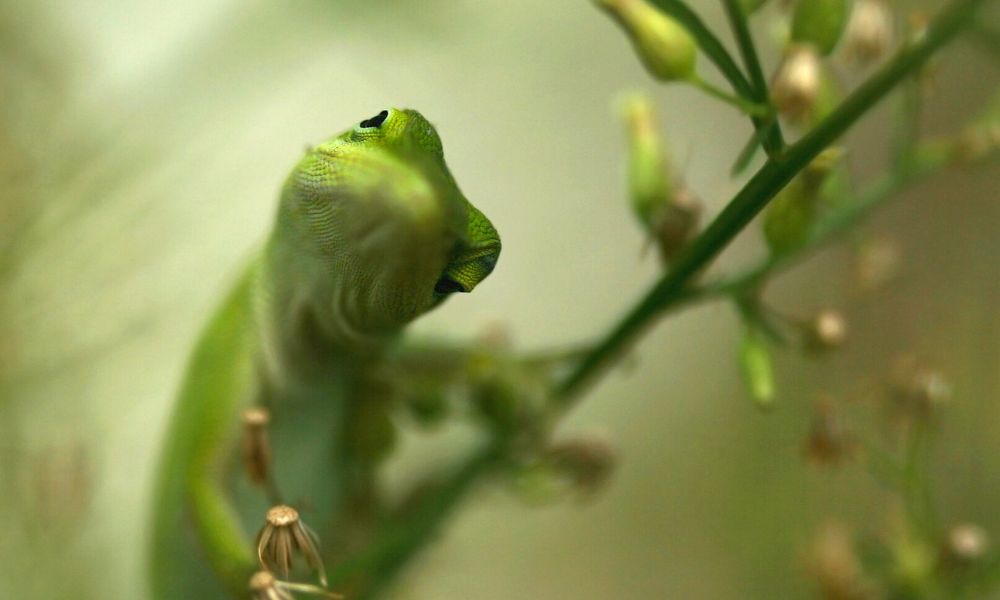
{"x":372,"y":231}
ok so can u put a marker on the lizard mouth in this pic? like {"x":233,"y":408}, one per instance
{"x":446,"y":285}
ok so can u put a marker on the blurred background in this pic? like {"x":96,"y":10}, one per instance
{"x":142,"y":145}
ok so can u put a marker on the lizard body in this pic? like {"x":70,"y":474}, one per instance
{"x":371,"y":232}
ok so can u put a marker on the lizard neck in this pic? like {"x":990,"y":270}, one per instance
{"x":302,"y":334}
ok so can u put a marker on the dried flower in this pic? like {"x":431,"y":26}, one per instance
{"x":826,"y":331}
{"x":257,"y":445}
{"x":836,"y":566}
{"x":265,"y":586}
{"x":282,"y":536}
{"x":665,"y":47}
{"x":588,"y":461}
{"x":915,"y":389}
{"x":967,"y":543}
{"x":673,"y":224}
{"x":876,"y":262}
{"x":869,"y":32}
{"x":829,"y":442}
{"x":796,"y":84}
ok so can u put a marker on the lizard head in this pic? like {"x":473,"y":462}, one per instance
{"x":379,"y":209}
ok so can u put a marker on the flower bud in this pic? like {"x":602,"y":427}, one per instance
{"x":869,"y":32}
{"x":669,"y":213}
{"x":755,"y":362}
{"x":797,"y":83}
{"x":650,"y":184}
{"x":819,"y":23}
{"x":790,"y":216}
{"x":666,"y":49}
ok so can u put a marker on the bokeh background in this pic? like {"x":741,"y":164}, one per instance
{"x":143,"y":143}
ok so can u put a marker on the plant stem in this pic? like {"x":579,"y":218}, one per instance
{"x":746,"y":106}
{"x":757,"y":192}
{"x":709,"y":44}
{"x":397,"y":546}
{"x":772,"y":140}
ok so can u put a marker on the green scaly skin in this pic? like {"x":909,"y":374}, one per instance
{"x":372,"y":231}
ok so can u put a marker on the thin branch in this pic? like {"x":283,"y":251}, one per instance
{"x":757,"y":192}
{"x":771,"y":137}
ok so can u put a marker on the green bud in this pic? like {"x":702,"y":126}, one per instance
{"x":667,"y":212}
{"x":666,"y":49}
{"x":650,"y":185}
{"x":755,"y":362}
{"x":790,"y":216}
{"x":820,"y":23}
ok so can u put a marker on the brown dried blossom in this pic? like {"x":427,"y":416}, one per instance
{"x":265,"y":586}
{"x":284,"y":535}
{"x":257,"y":445}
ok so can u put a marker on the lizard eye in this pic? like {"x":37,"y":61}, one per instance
{"x":375,"y":121}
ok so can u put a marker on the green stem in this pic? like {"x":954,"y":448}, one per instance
{"x":747,"y":106}
{"x":385,"y":560}
{"x":757,"y":192}
{"x":772,"y":139}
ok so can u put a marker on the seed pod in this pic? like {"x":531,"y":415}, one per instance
{"x":758,"y":372}
{"x":796,"y":84}
{"x":284,"y":536}
{"x":665,"y":47}
{"x":869,"y":32}
{"x":819,"y":23}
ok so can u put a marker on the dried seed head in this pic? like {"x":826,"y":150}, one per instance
{"x":829,"y":442}
{"x":257,"y":445}
{"x":665,"y":47}
{"x":795,"y":87}
{"x":265,"y":586}
{"x":876,"y":263}
{"x":826,"y":331}
{"x":284,"y":535}
{"x":674,"y":224}
{"x":915,"y":389}
{"x":588,"y":461}
{"x":869,"y":32}
{"x":967,"y":543}
{"x":836,"y":566}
